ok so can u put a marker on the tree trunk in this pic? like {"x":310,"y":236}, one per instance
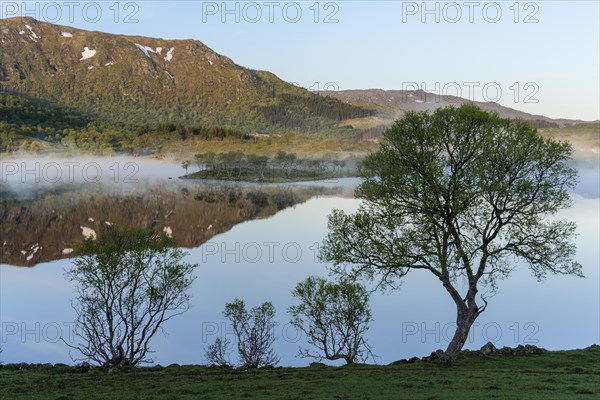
{"x":465,"y":317}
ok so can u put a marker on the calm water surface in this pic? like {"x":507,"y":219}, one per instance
{"x":263,"y":259}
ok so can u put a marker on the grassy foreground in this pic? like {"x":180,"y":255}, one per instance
{"x":573,"y":374}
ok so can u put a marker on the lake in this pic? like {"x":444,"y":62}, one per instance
{"x":259,"y":252}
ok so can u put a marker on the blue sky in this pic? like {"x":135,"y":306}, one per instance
{"x":541,"y":57}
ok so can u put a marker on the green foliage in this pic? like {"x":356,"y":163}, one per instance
{"x":34,"y":120}
{"x":129,"y":282}
{"x":235,"y":165}
{"x":307,"y":111}
{"x":254,"y":330}
{"x":22,"y":118}
{"x":185,"y":164}
{"x":458,"y":193}
{"x":20,"y":111}
{"x":334,"y":317}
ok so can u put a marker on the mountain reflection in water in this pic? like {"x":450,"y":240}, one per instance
{"x":49,"y":224}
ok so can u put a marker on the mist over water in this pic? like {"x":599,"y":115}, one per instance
{"x":27,"y":176}
{"x":24,"y":175}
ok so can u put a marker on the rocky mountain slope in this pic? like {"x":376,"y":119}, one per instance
{"x":148,"y":81}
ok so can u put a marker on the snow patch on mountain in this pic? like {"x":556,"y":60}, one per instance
{"x":66,"y":34}
{"x":142,"y":49}
{"x":87,"y":53}
{"x":32,"y":32}
{"x":169,"y":56}
{"x":151,"y":50}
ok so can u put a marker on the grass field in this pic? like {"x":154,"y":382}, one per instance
{"x":557,"y":375}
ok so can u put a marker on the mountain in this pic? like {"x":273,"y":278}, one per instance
{"x":100,"y":92}
{"x":140,"y":80}
{"x":394,"y":103}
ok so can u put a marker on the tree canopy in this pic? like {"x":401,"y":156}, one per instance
{"x":129,"y":282}
{"x":334,"y":316}
{"x":463,"y":194}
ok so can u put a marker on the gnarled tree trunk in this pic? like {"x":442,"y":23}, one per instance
{"x":467,"y":312}
{"x":465,"y":317}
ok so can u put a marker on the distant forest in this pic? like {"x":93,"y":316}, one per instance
{"x":293,"y":111}
{"x":22,"y":119}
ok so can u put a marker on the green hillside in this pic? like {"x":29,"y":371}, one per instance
{"x":31,"y":125}
{"x":139,"y":80}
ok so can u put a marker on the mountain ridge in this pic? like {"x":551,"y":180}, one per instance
{"x":397,"y":102}
{"x":136,"y":79}
{"x":146,"y":83}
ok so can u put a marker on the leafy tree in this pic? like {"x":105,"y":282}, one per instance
{"x":206,"y":160}
{"x":258,"y":164}
{"x":254,"y":332}
{"x":462,"y":194}
{"x":334,"y":317}
{"x":185,"y":164}
{"x":129,"y":282}
{"x":286,"y":161}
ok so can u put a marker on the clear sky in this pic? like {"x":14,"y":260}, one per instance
{"x":542,"y":57}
